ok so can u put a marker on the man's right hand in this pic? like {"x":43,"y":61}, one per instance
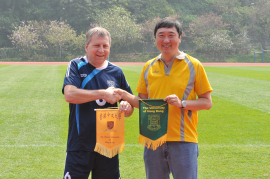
{"x":120,"y":92}
{"x":111,"y":96}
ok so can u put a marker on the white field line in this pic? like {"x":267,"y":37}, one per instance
{"x":240,"y":103}
{"x":138,"y":145}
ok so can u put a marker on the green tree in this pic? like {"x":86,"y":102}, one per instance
{"x":259,"y":21}
{"x":59,"y":34}
{"x":232,"y":13}
{"x":145,"y":10}
{"x":211,"y":36}
{"x":9,"y":14}
{"x":26,"y":38}
{"x":77,"y":46}
{"x":33,"y":36}
{"x":189,"y":9}
{"x":13,"y":12}
{"x":148,"y":30}
{"x":122,"y":27}
{"x":78,"y":14}
{"x":241,"y":43}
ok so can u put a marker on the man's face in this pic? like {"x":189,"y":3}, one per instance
{"x":98,"y":50}
{"x":168,"y":40}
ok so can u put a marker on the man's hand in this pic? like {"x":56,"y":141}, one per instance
{"x":133,"y":100}
{"x":120,"y":92}
{"x":126,"y":108}
{"x":111,"y":96}
{"x":203,"y":102}
{"x":173,"y":100}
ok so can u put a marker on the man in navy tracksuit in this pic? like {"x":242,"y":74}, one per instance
{"x":89,"y":84}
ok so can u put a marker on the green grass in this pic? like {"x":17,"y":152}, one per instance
{"x":33,"y":122}
{"x":233,"y":135}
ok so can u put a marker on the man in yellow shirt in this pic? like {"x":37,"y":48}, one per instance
{"x":181,"y":81}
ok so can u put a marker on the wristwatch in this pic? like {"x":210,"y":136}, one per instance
{"x":184,"y":104}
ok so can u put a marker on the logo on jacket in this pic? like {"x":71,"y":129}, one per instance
{"x":101,"y":102}
{"x":110,"y":83}
{"x":83,"y":75}
{"x":155,"y":71}
{"x":110,"y":124}
{"x":67,"y":176}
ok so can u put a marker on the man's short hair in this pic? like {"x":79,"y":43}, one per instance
{"x":99,"y":31}
{"x":168,"y":22}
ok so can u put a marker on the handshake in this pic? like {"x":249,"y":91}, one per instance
{"x":113,"y":95}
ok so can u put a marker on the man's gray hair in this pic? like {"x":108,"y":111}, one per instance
{"x":99,"y":31}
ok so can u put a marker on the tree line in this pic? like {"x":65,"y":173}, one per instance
{"x":214,"y":28}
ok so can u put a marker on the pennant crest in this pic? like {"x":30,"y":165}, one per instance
{"x":153,"y":122}
{"x":110,"y":124}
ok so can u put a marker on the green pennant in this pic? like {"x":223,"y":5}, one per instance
{"x":153,"y":116}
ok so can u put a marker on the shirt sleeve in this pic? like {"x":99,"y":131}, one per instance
{"x":141,"y":86}
{"x":202,"y":84}
{"x":72,"y":76}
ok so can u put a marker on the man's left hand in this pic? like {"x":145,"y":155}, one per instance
{"x":173,"y":100}
{"x":126,"y":108}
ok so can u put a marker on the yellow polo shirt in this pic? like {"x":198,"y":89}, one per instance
{"x":187,"y":79}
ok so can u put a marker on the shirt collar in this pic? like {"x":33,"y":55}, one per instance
{"x":104,"y":66}
{"x":179,"y":57}
{"x":85,"y":58}
{"x":99,"y":68}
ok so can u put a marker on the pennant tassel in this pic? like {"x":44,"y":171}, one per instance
{"x":153,"y":144}
{"x":110,"y":153}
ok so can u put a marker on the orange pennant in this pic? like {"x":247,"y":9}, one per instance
{"x":110,"y":132}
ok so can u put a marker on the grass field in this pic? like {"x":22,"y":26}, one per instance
{"x":234,"y":137}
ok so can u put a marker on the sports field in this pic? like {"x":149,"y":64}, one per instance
{"x":234,"y":136}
